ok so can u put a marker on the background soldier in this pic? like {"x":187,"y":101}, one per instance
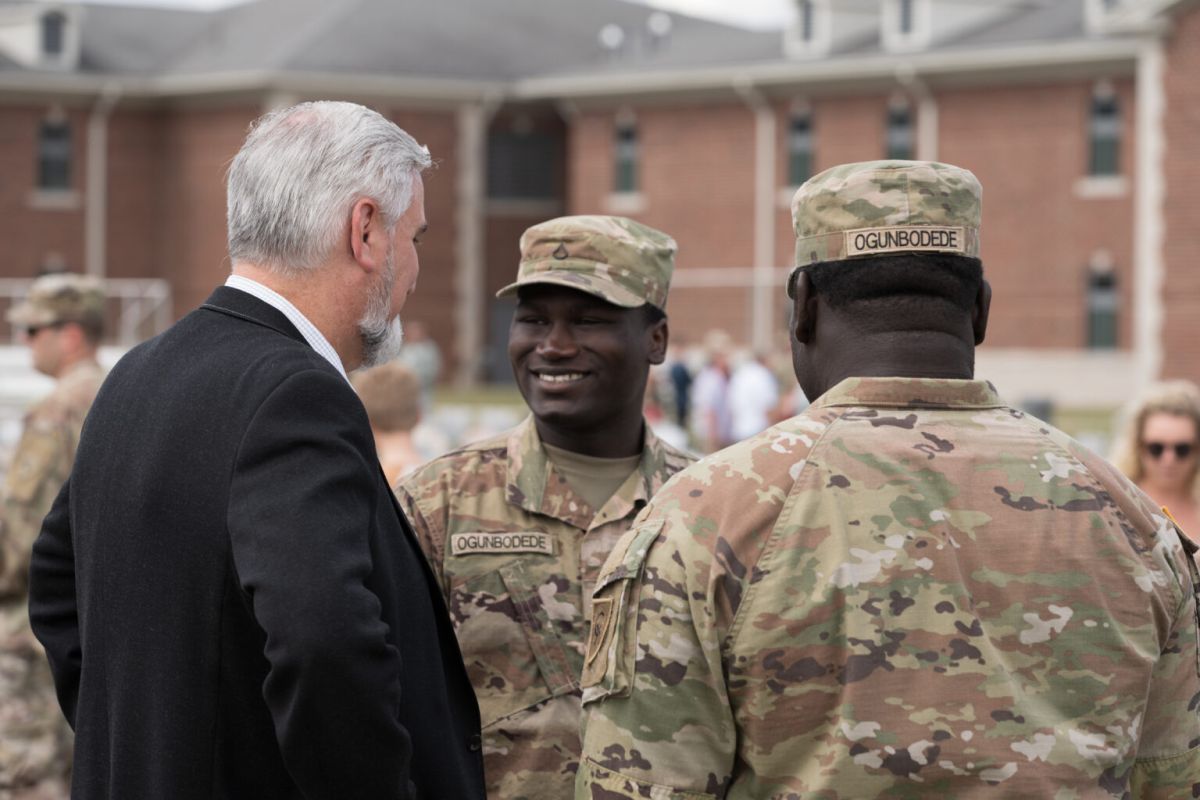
{"x":517,"y":527}
{"x":909,"y":590}
{"x":62,"y":320}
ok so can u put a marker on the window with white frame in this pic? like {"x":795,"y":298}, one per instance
{"x":54,"y":154}
{"x":1104,"y":133}
{"x":54,"y":26}
{"x":626,"y":157}
{"x":800,"y":146}
{"x":907,"y":24}
{"x":899,"y":136}
{"x":1102,"y":304}
{"x":811,"y":34}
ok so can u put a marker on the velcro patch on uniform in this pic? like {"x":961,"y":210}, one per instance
{"x":905,"y":239}
{"x":484,"y":543}
{"x":599,"y":637}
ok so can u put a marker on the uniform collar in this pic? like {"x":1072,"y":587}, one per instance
{"x":535,"y":486}
{"x":911,"y":393}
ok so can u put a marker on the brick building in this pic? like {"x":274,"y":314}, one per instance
{"x":1080,"y":117}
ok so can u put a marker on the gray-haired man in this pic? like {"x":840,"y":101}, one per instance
{"x":232,"y":604}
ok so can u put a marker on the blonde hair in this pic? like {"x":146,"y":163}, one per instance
{"x":1179,"y":398}
{"x":391,"y":394}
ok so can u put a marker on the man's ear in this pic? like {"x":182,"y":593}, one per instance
{"x":660,"y":337}
{"x":979,"y":315}
{"x":368,"y":237}
{"x":804,"y":309}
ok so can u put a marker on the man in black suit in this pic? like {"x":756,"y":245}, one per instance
{"x":232,"y":603}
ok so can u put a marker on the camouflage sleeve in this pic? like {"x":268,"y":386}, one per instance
{"x":40,"y":466}
{"x":1168,"y":762}
{"x":657,"y":721}
{"x":431,"y":535}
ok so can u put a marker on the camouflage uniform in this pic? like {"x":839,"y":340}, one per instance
{"x":519,"y":603}
{"x":517,"y":549}
{"x":35,"y":742}
{"x":909,"y":590}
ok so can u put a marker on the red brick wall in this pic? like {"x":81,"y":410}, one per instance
{"x":1181,"y":293}
{"x":197,"y":145}
{"x":436,"y":297}
{"x":697,"y":178}
{"x":29,"y":234}
{"x":1029,"y":147}
{"x":137,"y":206}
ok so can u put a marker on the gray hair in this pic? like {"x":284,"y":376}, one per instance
{"x":301,"y":170}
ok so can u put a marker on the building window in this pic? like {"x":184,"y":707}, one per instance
{"x":524,"y":165}
{"x":1101,"y":308}
{"x":53,"y":26}
{"x":1105,"y":133}
{"x":905,"y":21}
{"x":800,"y":148}
{"x":54,"y":155}
{"x":899,"y":132}
{"x":807,"y":20}
{"x":626,"y":177}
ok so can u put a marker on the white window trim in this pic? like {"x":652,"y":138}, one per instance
{"x":821,"y":43}
{"x":922,"y":33}
{"x":625,"y":203}
{"x":1101,"y":187}
{"x":54,"y":199}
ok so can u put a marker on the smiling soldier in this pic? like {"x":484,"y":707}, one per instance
{"x":517,"y":527}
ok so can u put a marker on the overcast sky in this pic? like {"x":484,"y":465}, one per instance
{"x":749,"y":13}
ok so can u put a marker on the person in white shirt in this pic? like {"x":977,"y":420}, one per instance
{"x":753,"y":394}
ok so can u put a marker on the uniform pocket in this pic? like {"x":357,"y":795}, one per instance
{"x":612,"y":640}
{"x":514,"y":655}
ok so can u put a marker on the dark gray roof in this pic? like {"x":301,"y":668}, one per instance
{"x":467,"y":39}
{"x":484,"y":40}
{"x":128,"y":39}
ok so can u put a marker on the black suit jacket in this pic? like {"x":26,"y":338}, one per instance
{"x":232,"y":603}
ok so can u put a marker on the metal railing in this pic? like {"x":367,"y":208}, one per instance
{"x":138,"y":308}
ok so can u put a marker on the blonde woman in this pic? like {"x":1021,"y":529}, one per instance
{"x":1157,"y":449}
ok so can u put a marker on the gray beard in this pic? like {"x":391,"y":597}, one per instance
{"x":381,"y":337}
{"x":380,"y":346}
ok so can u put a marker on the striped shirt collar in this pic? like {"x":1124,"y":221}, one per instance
{"x":309,"y":331}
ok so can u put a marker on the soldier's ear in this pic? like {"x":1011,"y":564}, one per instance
{"x":659,"y":337}
{"x":979,"y":314}
{"x":804,"y":309}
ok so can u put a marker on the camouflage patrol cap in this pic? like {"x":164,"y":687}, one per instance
{"x":882,"y":207}
{"x":61,"y":297}
{"x":616,"y":259}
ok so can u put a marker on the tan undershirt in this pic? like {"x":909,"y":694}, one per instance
{"x":594,"y":479}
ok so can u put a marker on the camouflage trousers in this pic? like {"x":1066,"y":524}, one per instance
{"x":35,"y":740}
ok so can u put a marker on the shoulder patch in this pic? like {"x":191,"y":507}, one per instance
{"x":614,"y":615}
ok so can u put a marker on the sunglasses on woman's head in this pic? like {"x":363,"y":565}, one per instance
{"x":1182,"y":449}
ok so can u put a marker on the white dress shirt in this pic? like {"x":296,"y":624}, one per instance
{"x":309,"y":331}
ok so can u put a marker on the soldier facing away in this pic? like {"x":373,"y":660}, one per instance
{"x":62,"y":321}
{"x":518,"y":526}
{"x":908,"y":590}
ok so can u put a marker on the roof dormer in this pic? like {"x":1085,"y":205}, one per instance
{"x":811,"y":35}
{"x":1110,"y":16}
{"x":906,"y":25}
{"x":820,"y":27}
{"x":41,"y":35}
